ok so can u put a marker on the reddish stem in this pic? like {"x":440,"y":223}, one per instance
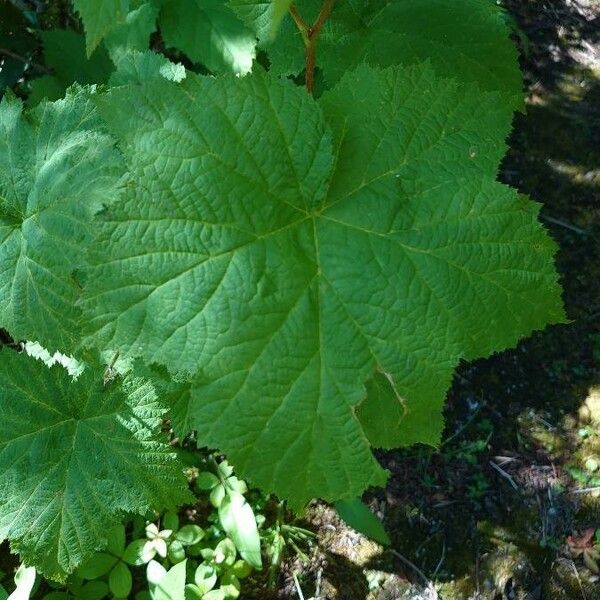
{"x":310,"y":36}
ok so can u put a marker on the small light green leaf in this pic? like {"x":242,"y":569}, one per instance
{"x":215,"y":595}
{"x":224,"y":553}
{"x":239,"y":485}
{"x":155,"y":573}
{"x":171,"y":586}
{"x":193,"y":592}
{"x":190,"y":534}
{"x":25,"y":580}
{"x":237,"y":518}
{"x":360,"y":518}
{"x":209,"y":33}
{"x":241,"y":569}
{"x":176,"y":552}
{"x":225,"y":469}
{"x":230,"y":585}
{"x":205,"y":578}
{"x":217,"y":495}
{"x":207,"y":481}
{"x":120,"y":581}
{"x":139,"y":552}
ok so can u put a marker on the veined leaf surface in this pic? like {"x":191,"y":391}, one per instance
{"x":281,"y":251}
{"x":73,"y":457}
{"x":58,"y":167}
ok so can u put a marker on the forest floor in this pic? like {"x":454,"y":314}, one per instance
{"x":509,"y":506}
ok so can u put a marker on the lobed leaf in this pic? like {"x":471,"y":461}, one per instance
{"x":58,"y":167}
{"x":73,"y":457}
{"x":282,"y":251}
{"x":134,"y":33}
{"x":261,"y":16}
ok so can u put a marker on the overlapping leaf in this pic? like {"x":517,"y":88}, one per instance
{"x":73,"y":457}
{"x":134,"y":33}
{"x":64,"y":53}
{"x":99,"y":18}
{"x":262,"y":16}
{"x":209,"y":33}
{"x":283,"y":252}
{"x":467,"y":40}
{"x":57,"y":169}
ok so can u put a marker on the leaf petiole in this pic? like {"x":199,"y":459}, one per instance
{"x":310,"y":35}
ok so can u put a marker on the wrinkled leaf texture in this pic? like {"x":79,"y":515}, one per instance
{"x":74,"y":456}
{"x":281,"y":251}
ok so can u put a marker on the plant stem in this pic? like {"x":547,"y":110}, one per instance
{"x":300,"y":23}
{"x":310,"y":35}
{"x":26,"y":61}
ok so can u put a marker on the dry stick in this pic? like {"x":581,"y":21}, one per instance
{"x":310,"y":35}
{"x":504,"y":474}
{"x":426,"y":581}
{"x":298,"y":588}
{"x":565,"y":224}
{"x":22,"y":59}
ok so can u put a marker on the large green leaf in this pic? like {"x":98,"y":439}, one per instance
{"x":468,"y":40}
{"x":73,"y":457}
{"x":281,"y":252}
{"x":209,"y":33}
{"x":57,"y":168}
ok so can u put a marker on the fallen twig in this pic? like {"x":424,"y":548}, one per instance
{"x":565,"y":224}
{"x":504,"y":474}
{"x":428,"y":583}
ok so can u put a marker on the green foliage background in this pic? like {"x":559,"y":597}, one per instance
{"x":279,"y":254}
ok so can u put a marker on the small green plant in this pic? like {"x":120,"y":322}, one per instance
{"x":174,"y":558}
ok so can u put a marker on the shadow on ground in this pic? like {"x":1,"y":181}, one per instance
{"x":489,"y":515}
